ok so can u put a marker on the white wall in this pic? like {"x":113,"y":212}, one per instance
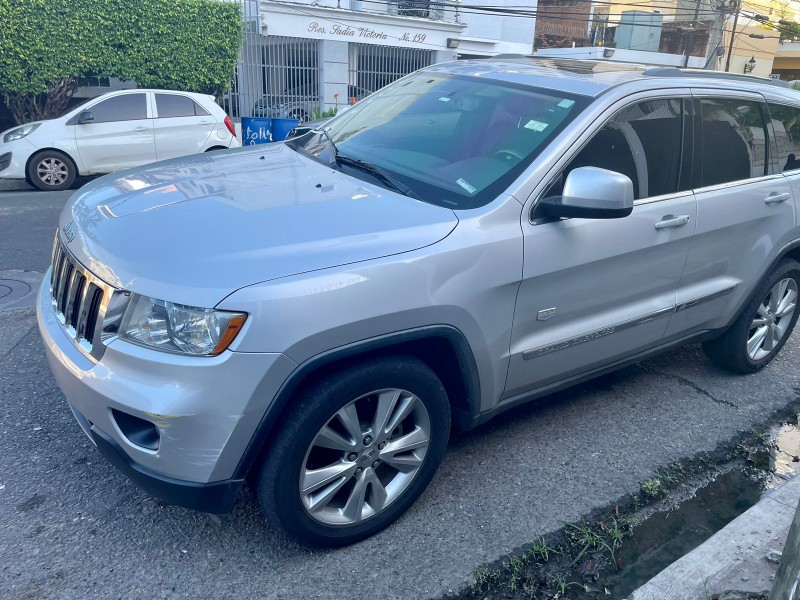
{"x":489,"y":34}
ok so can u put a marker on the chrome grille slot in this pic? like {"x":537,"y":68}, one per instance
{"x":80,"y":300}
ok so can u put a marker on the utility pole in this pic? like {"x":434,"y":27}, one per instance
{"x":787,"y":579}
{"x":736,"y":7}
{"x":715,"y":37}
{"x":689,"y":39}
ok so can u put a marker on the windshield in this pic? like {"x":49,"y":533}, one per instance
{"x":450,"y":140}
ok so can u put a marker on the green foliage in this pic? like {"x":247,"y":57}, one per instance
{"x":652,"y":488}
{"x":175,"y":44}
{"x":324,"y":114}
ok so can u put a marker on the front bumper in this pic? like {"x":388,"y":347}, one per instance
{"x":14,"y":158}
{"x":205,"y":409}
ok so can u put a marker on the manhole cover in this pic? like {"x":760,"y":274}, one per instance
{"x":12,"y":289}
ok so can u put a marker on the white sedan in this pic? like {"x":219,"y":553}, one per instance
{"x":115,"y":131}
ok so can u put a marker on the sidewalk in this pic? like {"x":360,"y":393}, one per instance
{"x":742,"y":557}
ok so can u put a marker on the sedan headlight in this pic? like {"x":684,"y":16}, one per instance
{"x":20,"y":132}
{"x":180,"y":328}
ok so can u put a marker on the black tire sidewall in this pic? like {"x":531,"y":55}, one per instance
{"x":34,"y":180}
{"x":277,"y":486}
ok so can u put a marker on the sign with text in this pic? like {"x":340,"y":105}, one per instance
{"x":344,"y":27}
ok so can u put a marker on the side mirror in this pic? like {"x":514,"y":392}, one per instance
{"x":85,"y":117}
{"x":590,"y":193}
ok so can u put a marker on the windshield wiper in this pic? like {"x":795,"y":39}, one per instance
{"x":377,"y":172}
{"x":334,"y":149}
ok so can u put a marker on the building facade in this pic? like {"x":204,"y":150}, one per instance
{"x":305,"y":58}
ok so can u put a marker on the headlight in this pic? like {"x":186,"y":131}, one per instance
{"x":179,"y":328}
{"x":20,"y":132}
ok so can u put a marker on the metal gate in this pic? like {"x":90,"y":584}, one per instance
{"x":372,"y":67}
{"x":276,"y":76}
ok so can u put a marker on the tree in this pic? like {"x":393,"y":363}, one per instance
{"x":46,"y":45}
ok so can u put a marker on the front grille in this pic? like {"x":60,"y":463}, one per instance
{"x":81,"y":301}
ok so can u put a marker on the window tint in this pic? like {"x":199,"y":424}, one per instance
{"x":642,"y":141}
{"x":175,"y":105}
{"x":120,"y":108}
{"x":786,"y":124}
{"x":733,"y":143}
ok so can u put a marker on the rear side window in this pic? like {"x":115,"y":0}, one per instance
{"x":733,"y":142}
{"x":129,"y":107}
{"x":175,"y":105}
{"x":642,"y":141}
{"x":786,"y":124}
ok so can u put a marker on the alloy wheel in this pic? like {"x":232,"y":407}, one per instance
{"x":772,"y":319}
{"x":364,"y":457}
{"x":52,"y":171}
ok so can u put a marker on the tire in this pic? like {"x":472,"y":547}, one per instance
{"x":746,"y":347}
{"x":330,"y":514}
{"x":51,"y":171}
{"x":299,"y":114}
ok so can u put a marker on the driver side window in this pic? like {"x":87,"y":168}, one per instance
{"x":642,"y":141}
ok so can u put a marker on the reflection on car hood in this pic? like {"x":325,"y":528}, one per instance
{"x":195,"y":229}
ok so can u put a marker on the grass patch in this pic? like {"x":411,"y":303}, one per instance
{"x":567,"y":564}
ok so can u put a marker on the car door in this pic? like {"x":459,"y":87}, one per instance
{"x":785,"y":122}
{"x":119,"y":136}
{"x":182,"y":126}
{"x":745,"y":213}
{"x":596,"y":291}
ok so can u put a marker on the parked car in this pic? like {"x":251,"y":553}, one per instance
{"x":114,"y":131}
{"x":316,"y":315}
{"x":297,"y":103}
{"x":302,"y":103}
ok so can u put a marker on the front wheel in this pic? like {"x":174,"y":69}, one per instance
{"x":765,"y":324}
{"x":357,"y":451}
{"x":51,"y":171}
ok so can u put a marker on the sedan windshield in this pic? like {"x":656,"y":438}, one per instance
{"x":450,"y":140}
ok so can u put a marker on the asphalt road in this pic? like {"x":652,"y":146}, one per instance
{"x":73,"y":527}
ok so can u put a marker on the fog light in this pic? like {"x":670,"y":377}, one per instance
{"x":138,"y":431}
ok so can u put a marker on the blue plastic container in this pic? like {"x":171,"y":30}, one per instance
{"x":281,"y":128}
{"x":256,"y":130}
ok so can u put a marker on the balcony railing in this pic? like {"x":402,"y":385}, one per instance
{"x":422,"y":9}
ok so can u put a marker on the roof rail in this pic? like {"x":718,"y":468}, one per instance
{"x":510,"y":55}
{"x":676,"y":72}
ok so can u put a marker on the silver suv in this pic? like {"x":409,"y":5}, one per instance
{"x":316,"y":315}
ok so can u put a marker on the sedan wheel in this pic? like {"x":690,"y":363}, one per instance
{"x":51,"y":171}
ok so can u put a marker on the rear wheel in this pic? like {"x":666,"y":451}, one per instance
{"x":764,"y":325}
{"x":357,"y":451}
{"x":51,"y":170}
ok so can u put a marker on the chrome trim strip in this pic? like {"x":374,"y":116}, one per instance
{"x":704,"y":298}
{"x":598,"y":333}
{"x":777,"y":177}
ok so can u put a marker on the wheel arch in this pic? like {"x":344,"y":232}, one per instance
{"x":790,"y":250}
{"x":443,"y":348}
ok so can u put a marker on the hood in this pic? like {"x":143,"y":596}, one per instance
{"x":195,"y":229}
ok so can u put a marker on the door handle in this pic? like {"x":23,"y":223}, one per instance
{"x":669,"y":221}
{"x":141,"y":129}
{"x":205,"y":123}
{"x":774,"y":198}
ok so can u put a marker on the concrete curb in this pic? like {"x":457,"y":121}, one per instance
{"x":734,"y":558}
